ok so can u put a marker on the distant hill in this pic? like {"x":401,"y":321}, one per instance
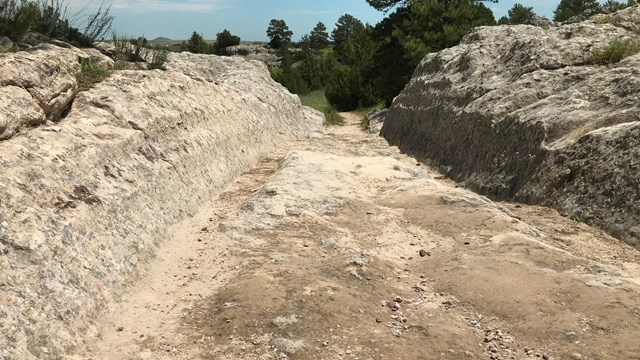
{"x":161,"y":39}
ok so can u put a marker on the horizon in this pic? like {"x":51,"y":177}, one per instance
{"x":249,"y":19}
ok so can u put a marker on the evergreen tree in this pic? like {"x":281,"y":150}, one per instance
{"x":518,"y":14}
{"x":436,"y":24}
{"x":319,"y":37}
{"x":196,"y":44}
{"x":347,"y":28}
{"x":279,"y":33}
{"x":225,"y":39}
{"x":415,"y":28}
{"x":570,"y":8}
{"x":612,"y":5}
{"x":386,"y":5}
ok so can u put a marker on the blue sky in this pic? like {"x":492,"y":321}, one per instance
{"x":177,"y":19}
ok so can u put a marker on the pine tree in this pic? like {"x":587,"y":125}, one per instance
{"x":570,"y":8}
{"x":279,"y":33}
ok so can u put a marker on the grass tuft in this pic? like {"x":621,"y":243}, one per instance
{"x":614,"y":52}
{"x":88,"y":74}
{"x":318,"y":101}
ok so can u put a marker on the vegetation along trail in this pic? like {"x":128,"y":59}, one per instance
{"x":341,"y":247}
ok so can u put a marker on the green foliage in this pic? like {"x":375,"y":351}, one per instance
{"x":319,"y":37}
{"x":614,"y":52}
{"x":196,"y":45}
{"x":610,"y":6}
{"x":518,"y":14}
{"x":415,"y":28}
{"x":438,"y":24}
{"x":569,"y":8}
{"x":98,"y":25}
{"x":290,"y":76}
{"x":88,"y":74}
{"x":386,"y":5}
{"x":129,"y":50}
{"x":139,"y":49}
{"x":279,"y":33}
{"x":49,"y":18}
{"x":18,"y":17}
{"x":348,"y":89}
{"x":316,"y":69}
{"x":225,"y":39}
{"x":159,"y":58}
{"x":317,"y":100}
{"x":393,"y":66}
{"x":345,"y":30}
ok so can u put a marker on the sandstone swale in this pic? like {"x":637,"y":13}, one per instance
{"x":519,"y":112}
{"x":91,"y":181}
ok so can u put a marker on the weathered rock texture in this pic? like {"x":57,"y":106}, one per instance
{"x":258,"y":52}
{"x":84,"y":202}
{"x":375,"y":120}
{"x":517,"y":112}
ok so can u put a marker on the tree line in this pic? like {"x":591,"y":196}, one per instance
{"x":359,"y":65}
{"x":198,"y":45}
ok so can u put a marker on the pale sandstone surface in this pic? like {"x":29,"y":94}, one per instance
{"x":341,"y":247}
{"x":516,"y":112}
{"x":85,"y":201}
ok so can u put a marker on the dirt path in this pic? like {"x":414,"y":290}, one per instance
{"x":342,"y":248}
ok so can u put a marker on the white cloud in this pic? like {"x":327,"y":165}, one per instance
{"x":191,"y":6}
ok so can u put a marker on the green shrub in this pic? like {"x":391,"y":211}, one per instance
{"x":348,"y":91}
{"x":291,"y":78}
{"x":18,"y":17}
{"x":614,"y":52}
{"x":49,"y":18}
{"x":332,"y":117}
{"x":121,"y":64}
{"x":159,"y":58}
{"x":88,"y":74}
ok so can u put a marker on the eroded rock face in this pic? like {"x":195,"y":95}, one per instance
{"x":85,"y":202}
{"x":517,"y":112}
{"x":38,"y":84}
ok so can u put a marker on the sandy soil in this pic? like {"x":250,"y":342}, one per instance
{"x":343,"y":248}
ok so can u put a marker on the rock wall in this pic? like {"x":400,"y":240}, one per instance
{"x":85,"y":200}
{"x":518,"y":112}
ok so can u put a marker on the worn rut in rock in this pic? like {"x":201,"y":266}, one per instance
{"x":341,"y":247}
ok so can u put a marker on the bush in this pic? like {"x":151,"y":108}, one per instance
{"x":88,"y":74}
{"x":291,"y":78}
{"x":98,"y":25}
{"x":225,"y":39}
{"x":18,"y":17}
{"x":316,"y":70}
{"x":614,"y":52}
{"x":129,"y":50}
{"x":49,"y":18}
{"x":159,"y":58}
{"x":348,"y":91}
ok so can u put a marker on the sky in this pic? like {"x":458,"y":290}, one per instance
{"x":177,"y":19}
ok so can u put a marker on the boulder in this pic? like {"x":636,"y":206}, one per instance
{"x":6,"y":44}
{"x":19,"y":110}
{"x":518,"y":112}
{"x":41,"y":77}
{"x":86,"y":202}
{"x":375,"y":120}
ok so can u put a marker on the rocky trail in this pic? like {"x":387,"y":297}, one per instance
{"x":340,"y":247}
